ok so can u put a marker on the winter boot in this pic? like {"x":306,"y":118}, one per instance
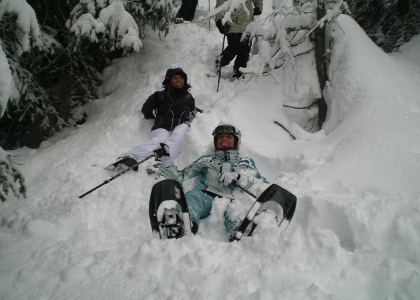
{"x":238,"y":75}
{"x":125,"y":163}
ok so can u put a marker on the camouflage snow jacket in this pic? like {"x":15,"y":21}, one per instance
{"x":207,"y":169}
{"x":239,"y":16}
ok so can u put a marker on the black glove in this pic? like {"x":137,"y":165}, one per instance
{"x":162,"y":150}
{"x":223,"y":29}
{"x":257,"y":11}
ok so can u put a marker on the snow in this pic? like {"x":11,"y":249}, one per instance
{"x":356,"y":230}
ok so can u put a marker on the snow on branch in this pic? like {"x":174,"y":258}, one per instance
{"x":27,"y":35}
{"x":227,"y":8}
{"x":113,"y":24}
{"x":284,"y":34}
{"x":12,"y":182}
{"x":6,"y":81}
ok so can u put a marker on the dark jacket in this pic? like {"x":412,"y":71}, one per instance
{"x":169,"y":108}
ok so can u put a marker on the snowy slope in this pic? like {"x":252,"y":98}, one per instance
{"x":356,"y":230}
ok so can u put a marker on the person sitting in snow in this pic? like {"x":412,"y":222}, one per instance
{"x":237,"y":47}
{"x":216,"y":175}
{"x":173,"y":109}
{"x":187,"y":11}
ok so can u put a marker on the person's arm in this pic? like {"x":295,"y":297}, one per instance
{"x":149,"y":106}
{"x":172,"y":171}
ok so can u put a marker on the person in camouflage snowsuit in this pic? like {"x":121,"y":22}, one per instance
{"x":237,"y":47}
{"x":216,"y":175}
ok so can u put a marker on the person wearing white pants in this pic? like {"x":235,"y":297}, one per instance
{"x":173,"y":109}
{"x":173,"y":139}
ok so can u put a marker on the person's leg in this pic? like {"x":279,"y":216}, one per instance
{"x":183,"y":10}
{"x":242,"y":57}
{"x":156,"y":137}
{"x":176,"y":139}
{"x":199,"y":205}
{"x":231,"y":50}
{"x":190,"y":11}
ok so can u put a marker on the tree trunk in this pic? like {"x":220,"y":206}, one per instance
{"x":320,"y":64}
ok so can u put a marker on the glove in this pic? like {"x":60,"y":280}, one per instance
{"x":223,"y":29}
{"x":257,"y":11}
{"x":229,"y":177}
{"x":166,"y":161}
{"x":162,"y":150}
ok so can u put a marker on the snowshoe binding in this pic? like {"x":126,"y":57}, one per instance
{"x":168,"y":210}
{"x":275,"y":205}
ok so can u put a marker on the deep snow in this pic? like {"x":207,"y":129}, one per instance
{"x":356,"y":230}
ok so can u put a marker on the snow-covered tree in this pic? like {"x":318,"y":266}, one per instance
{"x":26,"y":110}
{"x":52,"y":56}
{"x":107,"y":23}
{"x":12,"y":183}
{"x":287,"y":33}
{"x":389,"y":23}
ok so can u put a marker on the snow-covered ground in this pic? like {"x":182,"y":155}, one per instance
{"x":356,"y":230}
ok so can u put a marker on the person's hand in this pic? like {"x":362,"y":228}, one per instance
{"x":228,"y":177}
{"x":223,"y":28}
{"x":257,"y":11}
{"x":162,"y":150}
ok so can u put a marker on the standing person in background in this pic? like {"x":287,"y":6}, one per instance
{"x":236,"y":47}
{"x":173,"y":108}
{"x":187,"y":11}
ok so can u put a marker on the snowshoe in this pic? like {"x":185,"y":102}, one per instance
{"x":123,"y":164}
{"x":168,"y":210}
{"x":275,"y":203}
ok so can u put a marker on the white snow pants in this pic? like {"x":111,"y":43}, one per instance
{"x":174,"y":139}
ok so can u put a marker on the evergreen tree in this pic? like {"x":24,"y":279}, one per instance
{"x":12,"y":182}
{"x":51,"y":58}
{"x":79,"y":39}
{"x":389,"y":23}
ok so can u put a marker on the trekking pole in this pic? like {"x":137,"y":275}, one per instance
{"x":117,"y":175}
{"x":220,"y":67}
{"x":209,"y":18}
{"x":234,"y":183}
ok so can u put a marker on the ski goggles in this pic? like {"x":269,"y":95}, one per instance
{"x":225,"y":129}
